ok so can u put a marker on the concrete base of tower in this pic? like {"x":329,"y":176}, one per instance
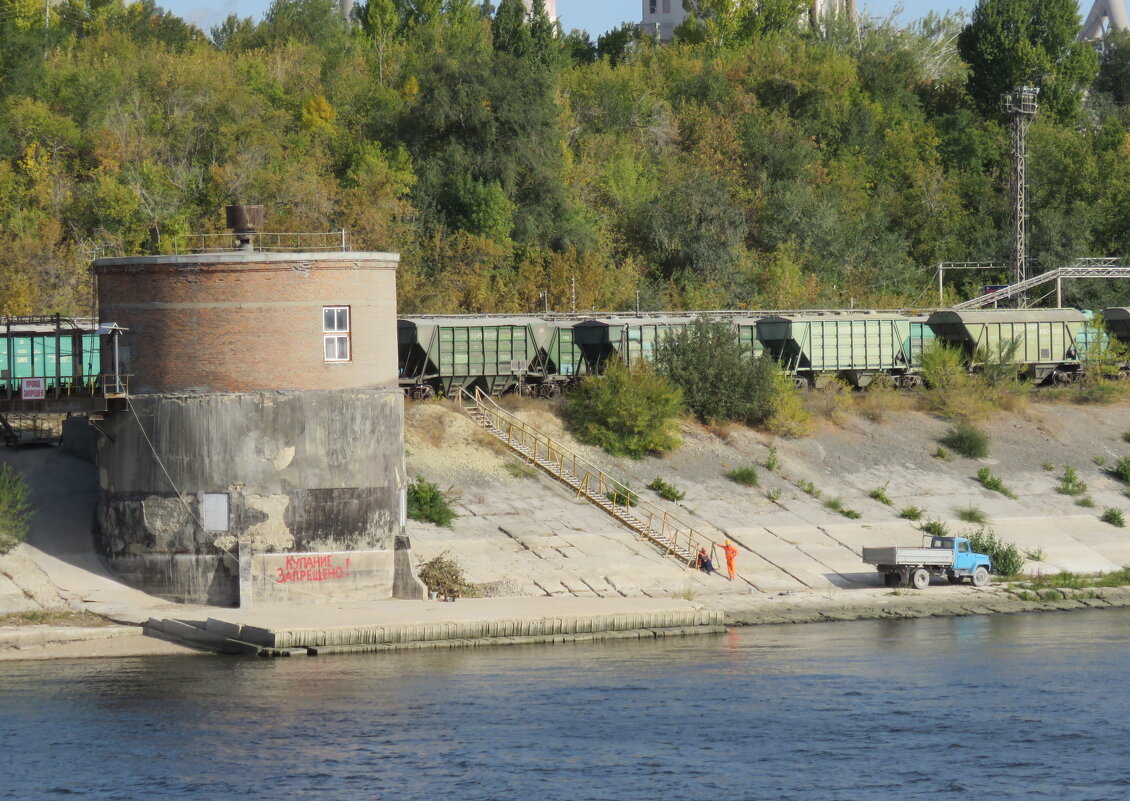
{"x":187,"y":482}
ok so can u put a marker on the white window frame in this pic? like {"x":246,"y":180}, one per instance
{"x":336,"y":334}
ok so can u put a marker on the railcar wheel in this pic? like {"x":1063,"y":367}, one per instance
{"x":980,"y":577}
{"x":920,"y":578}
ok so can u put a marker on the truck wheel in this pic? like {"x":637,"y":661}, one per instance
{"x":980,"y":577}
{"x":920,"y":578}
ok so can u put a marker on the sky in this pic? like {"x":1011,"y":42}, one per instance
{"x":594,"y":16}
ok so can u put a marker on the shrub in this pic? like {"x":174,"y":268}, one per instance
{"x":772,"y":461}
{"x":746,"y":476}
{"x":830,"y":400}
{"x":994,"y":483}
{"x":935,"y":528}
{"x":1048,"y":466}
{"x":971,"y":514}
{"x":1070,"y":483}
{"x":1121,"y":469}
{"x":1114,"y":517}
{"x":880,"y":494}
{"x":943,"y":454}
{"x":790,"y":418}
{"x":910,"y":513}
{"x":774,"y":494}
{"x":967,"y":439}
{"x":1086,"y":502}
{"x":718,"y":378}
{"x":14,"y":512}
{"x":666,"y":491}
{"x":1126,"y":436}
{"x":444,"y":575}
{"x":426,"y":503}
{"x":943,"y":367}
{"x":623,"y":495}
{"x":1006,"y":557}
{"x":627,"y":412}
{"x":833,"y":504}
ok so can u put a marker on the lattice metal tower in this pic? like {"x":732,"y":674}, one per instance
{"x":1020,"y":105}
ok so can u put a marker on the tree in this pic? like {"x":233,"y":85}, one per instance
{"x":720,"y":380}
{"x":1010,"y":43}
{"x":731,"y":22}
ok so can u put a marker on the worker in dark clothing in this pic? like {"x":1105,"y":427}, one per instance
{"x":704,"y":562}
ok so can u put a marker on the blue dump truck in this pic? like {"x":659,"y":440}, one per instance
{"x":945,"y":557}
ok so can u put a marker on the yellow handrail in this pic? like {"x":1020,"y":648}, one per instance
{"x":674,"y":536}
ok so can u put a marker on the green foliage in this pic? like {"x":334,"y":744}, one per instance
{"x":943,"y":454}
{"x":790,"y":418}
{"x":427,"y":503}
{"x":444,"y":575}
{"x":623,"y":495}
{"x":772,"y":461}
{"x":746,"y":476}
{"x":971,"y":514}
{"x":14,"y":512}
{"x":1113,"y":516}
{"x":773,"y":495}
{"x":943,"y":367}
{"x":836,"y":505}
{"x":1070,"y":483}
{"x":808,"y":488}
{"x":1006,"y":557}
{"x":935,"y":528}
{"x":880,"y":494}
{"x":1010,"y":43}
{"x":1048,"y":466}
{"x":627,"y":412}
{"x":719,"y":379}
{"x":666,"y":491}
{"x":1121,"y":469}
{"x":1087,"y":502}
{"x":911,"y":513}
{"x":994,"y":483}
{"x":1126,"y":436}
{"x":967,"y":439}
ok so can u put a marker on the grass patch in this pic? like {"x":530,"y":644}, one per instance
{"x":880,"y":494}
{"x":668,"y":492}
{"x":911,"y":513}
{"x":1121,"y":469}
{"x":971,"y":514}
{"x":994,"y":483}
{"x":1126,"y":436}
{"x":54,"y":617}
{"x":808,"y":488}
{"x":772,"y":461}
{"x":1075,"y":581}
{"x":1114,"y":517}
{"x":831,"y":401}
{"x":1087,"y":502}
{"x":1070,"y":484}
{"x":774,"y":495}
{"x":746,"y":476}
{"x":836,"y":505}
{"x":1048,"y":466}
{"x":968,"y":440}
{"x":686,"y":594}
{"x":1036,"y":555}
{"x":935,"y":528}
{"x":428,"y":504}
{"x":943,"y":454}
{"x":520,"y":469}
{"x":1099,"y":460}
{"x":14,"y":511}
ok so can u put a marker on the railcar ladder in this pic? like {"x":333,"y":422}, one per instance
{"x":675,"y":538}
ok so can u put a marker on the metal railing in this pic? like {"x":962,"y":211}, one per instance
{"x":263,"y":241}
{"x":672,"y":535}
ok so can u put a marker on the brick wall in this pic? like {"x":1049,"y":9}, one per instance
{"x":249,"y":321}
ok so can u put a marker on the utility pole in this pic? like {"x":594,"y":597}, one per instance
{"x":1020,"y":106}
{"x":573,"y":281}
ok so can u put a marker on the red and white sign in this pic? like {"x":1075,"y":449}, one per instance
{"x":33,"y":389}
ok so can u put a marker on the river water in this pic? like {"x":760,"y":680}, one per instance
{"x":1026,"y":706}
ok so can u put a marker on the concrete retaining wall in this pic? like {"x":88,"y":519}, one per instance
{"x":313,"y":471}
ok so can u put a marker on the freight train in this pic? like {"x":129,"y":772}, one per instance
{"x":540,"y":356}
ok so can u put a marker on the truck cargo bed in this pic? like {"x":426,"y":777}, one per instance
{"x":940,"y":557}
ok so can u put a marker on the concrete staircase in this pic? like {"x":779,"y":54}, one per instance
{"x":658,"y":526}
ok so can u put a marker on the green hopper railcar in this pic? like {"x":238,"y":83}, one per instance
{"x":850,"y":346}
{"x":445,"y":354}
{"x":1040,"y":342}
{"x":633,"y":339}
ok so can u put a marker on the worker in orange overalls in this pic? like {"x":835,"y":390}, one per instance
{"x":731,"y":555}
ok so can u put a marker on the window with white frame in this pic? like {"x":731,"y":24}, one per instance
{"x":335,"y":333}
